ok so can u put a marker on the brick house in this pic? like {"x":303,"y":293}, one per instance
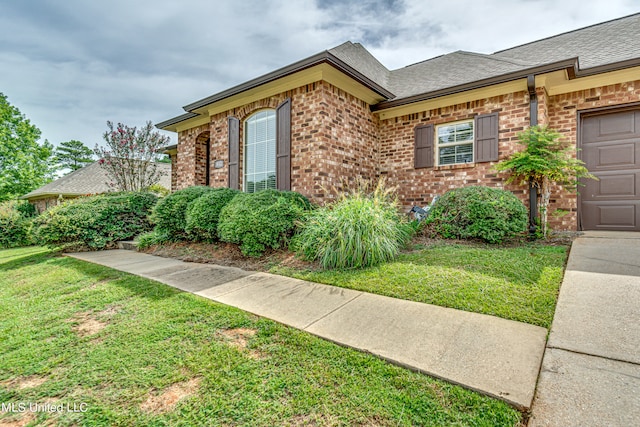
{"x":429,"y":127}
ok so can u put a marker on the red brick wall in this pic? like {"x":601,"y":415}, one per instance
{"x":419,"y":186}
{"x":333,"y":137}
{"x":187,"y":157}
{"x":174,"y":171}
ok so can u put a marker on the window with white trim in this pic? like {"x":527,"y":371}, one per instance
{"x":455,"y":143}
{"x":260,"y":151}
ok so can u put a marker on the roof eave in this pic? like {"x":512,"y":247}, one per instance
{"x":175,"y":120}
{"x":323,"y":57}
{"x":569,"y":64}
{"x":600,"y":69}
{"x":49,"y":195}
{"x":170,"y":149}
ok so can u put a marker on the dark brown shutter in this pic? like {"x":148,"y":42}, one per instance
{"x":234,"y":153}
{"x":283,"y":145}
{"x":423,"y":147}
{"x":486,"y":138}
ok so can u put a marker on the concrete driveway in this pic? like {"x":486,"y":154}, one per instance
{"x":591,"y":368}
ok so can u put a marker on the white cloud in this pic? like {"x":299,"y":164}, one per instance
{"x":71,"y":66}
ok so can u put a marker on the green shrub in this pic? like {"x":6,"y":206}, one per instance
{"x":490,"y":214}
{"x":358,"y":230}
{"x":96,"y":222}
{"x":204,"y":212}
{"x":15,"y":223}
{"x":150,"y":238}
{"x":257,"y":221}
{"x":169,"y":215}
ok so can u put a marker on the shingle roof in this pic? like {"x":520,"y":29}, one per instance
{"x":449,"y":70}
{"x":601,"y":44}
{"x":606,"y":44}
{"x":91,"y":179}
{"x":359,"y":58}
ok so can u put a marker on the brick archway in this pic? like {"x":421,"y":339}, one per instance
{"x":203,"y":159}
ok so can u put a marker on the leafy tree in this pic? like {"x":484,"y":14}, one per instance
{"x":545,"y":160}
{"x":130,"y":156}
{"x":24,"y":163}
{"x":73,"y":155}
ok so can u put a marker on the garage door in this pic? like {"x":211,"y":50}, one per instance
{"x":611,"y":150}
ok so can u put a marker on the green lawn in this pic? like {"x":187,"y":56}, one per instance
{"x":519,"y":283}
{"x":140,"y":353}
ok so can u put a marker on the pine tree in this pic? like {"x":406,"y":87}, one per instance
{"x":73,"y":155}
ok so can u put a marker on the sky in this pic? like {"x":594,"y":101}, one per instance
{"x":71,"y":65}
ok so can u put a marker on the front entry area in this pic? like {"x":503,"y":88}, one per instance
{"x":610,"y":144}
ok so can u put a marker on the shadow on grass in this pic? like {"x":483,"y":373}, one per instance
{"x":93,"y":273}
{"x":34,"y":256}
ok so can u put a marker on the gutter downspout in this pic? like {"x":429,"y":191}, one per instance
{"x":533,"y":121}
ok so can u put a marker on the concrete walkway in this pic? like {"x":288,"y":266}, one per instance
{"x":494,"y":356}
{"x":591,"y":370}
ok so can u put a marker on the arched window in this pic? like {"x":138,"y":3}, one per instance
{"x":260,"y":151}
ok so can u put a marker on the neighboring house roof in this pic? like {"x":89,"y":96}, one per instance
{"x":91,"y":179}
{"x":598,"y":48}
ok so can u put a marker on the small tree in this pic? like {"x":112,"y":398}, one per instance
{"x":73,"y":155}
{"x":130,"y":156}
{"x":546,"y":159}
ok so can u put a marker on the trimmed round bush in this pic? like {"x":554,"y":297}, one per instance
{"x":257,"y":221}
{"x":170,"y":214}
{"x":489,"y":214}
{"x":204,"y":212}
{"x":96,"y":222}
{"x":357,"y":231}
{"x":15,"y":223}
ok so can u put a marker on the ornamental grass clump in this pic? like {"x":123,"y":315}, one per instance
{"x":362,"y":228}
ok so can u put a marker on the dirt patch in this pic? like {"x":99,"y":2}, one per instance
{"x":85,"y":324}
{"x":88,"y":323}
{"x":227,"y":254}
{"x":239,"y":338}
{"x":109,"y":312}
{"x":21,"y":383}
{"x":167,"y":400}
{"x":20,"y":421}
{"x":100,"y":283}
{"x":312,"y":420}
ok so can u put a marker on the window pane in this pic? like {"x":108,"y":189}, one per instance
{"x":455,"y":143}
{"x":464,"y":136}
{"x":271,"y":181}
{"x":260,"y":147}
